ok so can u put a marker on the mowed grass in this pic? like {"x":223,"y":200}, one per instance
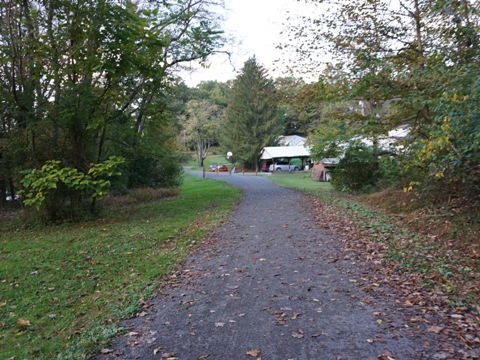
{"x":64,"y":288}
{"x":211,"y":159}
{"x":301,"y":181}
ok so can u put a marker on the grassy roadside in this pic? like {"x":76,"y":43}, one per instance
{"x":449,"y":267}
{"x":63,"y":288}
{"x":301,"y":181}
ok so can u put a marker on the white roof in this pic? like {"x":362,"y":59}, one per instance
{"x":292,"y":140}
{"x":276,"y":152}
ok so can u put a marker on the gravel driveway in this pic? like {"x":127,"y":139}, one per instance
{"x":265,"y":286}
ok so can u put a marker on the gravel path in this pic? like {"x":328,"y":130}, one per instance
{"x":264,"y":286}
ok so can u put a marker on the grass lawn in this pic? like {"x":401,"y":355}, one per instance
{"x":63,"y":288}
{"x":301,"y":181}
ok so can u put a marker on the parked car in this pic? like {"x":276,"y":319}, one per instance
{"x":213,"y":167}
{"x":222,"y":168}
{"x":283,"y":166}
{"x":266,"y":166}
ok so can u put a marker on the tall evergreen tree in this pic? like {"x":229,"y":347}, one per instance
{"x":252,"y":119}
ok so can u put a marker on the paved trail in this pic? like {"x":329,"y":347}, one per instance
{"x":265,"y":285}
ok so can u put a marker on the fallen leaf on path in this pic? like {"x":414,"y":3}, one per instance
{"x":106,"y":351}
{"x":441,"y":356}
{"x":254,"y":353}
{"x":298,"y":334}
{"x":295,"y":315}
{"x":143,"y":303}
{"x":385,"y":357}
{"x":219,"y":324}
{"x":318,"y":335}
{"x":435,"y":329}
{"x":168,"y":355}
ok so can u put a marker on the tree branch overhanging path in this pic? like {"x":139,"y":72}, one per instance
{"x":270,"y":284}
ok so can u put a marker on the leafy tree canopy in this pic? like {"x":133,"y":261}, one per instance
{"x":83,"y":80}
{"x":411,"y":63}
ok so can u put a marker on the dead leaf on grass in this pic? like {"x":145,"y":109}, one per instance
{"x":23,"y":322}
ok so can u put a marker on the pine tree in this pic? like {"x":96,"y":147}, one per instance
{"x":252,"y":120}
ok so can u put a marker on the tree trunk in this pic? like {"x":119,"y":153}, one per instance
{"x":418,"y":30}
{"x":3,"y":193}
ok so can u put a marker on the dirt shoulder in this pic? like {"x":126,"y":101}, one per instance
{"x":274,"y":283}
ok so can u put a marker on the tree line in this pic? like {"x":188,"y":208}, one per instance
{"x":90,"y":100}
{"x":86,"y":94}
{"x":412,"y":64}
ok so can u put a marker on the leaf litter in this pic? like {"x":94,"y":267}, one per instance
{"x":436,"y":297}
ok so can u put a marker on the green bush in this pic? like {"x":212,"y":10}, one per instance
{"x":59,"y":192}
{"x":149,"y":170}
{"x":357,"y":171}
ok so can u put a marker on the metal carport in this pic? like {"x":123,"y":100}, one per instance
{"x":285,"y":152}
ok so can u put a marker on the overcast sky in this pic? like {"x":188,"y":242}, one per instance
{"x":256,"y":26}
